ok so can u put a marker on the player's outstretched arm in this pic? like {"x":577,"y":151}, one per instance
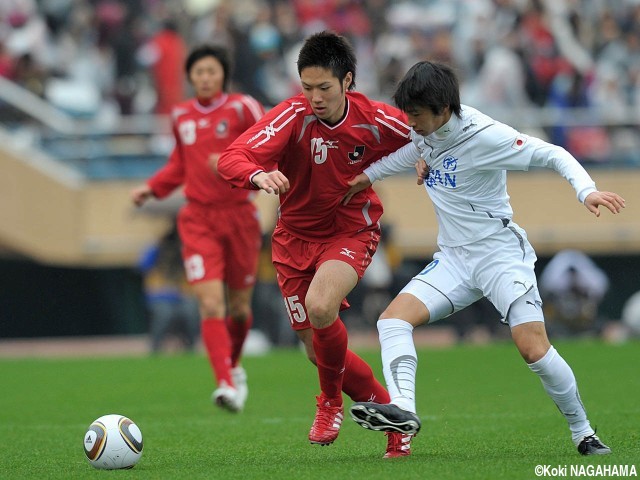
{"x":614,"y":202}
{"x":271,"y":182}
{"x":140,"y":194}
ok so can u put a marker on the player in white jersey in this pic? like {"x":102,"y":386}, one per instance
{"x":462,"y":157}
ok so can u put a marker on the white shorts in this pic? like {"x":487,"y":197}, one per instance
{"x":499,"y":267}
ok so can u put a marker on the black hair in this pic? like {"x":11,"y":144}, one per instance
{"x":218,"y":52}
{"x":331,"y":51}
{"x":429,"y":85}
{"x":170,"y":24}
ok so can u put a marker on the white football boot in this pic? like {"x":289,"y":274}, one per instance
{"x":228,"y":398}
{"x":239,"y":377}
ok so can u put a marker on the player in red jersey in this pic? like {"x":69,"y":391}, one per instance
{"x":306,"y":149}
{"x":218,"y":226}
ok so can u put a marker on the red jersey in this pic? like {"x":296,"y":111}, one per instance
{"x":318,"y":159}
{"x":167,"y":69}
{"x":200,"y":131}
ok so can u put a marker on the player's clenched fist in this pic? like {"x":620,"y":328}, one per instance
{"x":140,"y":194}
{"x":271,"y":182}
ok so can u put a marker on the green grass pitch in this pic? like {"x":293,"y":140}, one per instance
{"x":485,"y":416}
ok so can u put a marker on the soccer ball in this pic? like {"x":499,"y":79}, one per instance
{"x":113,"y":442}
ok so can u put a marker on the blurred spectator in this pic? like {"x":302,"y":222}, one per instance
{"x":213,"y":25}
{"x":572,"y":287}
{"x":286,"y":21}
{"x":173,"y":310}
{"x":270,"y":313}
{"x":127,"y":38}
{"x":631,"y":314}
{"x":510,"y":54}
{"x":540,"y":50}
{"x":27,"y":32}
{"x":500,"y":78}
{"x":7,"y":63}
{"x":588,"y":143}
{"x":313,"y":15}
{"x":349,"y":18}
{"x":268,"y":70}
{"x":29,"y":74}
{"x":165,"y":54}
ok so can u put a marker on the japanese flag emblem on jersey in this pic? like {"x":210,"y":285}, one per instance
{"x":519,"y":142}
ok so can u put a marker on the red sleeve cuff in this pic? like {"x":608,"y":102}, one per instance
{"x":253,"y":175}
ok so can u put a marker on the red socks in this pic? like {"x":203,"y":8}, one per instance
{"x":330,"y":346}
{"x":238,"y":332}
{"x":338,"y":368}
{"x":215,"y":337}
{"x":360,"y":384}
{"x":341,"y":369}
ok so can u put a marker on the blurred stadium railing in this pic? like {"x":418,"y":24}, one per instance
{"x":66,"y":181}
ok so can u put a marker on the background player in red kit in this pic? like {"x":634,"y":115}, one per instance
{"x":218,"y":226}
{"x":306,"y":149}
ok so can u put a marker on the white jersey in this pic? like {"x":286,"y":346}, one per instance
{"x":468,"y":159}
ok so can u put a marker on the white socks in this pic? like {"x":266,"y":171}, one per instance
{"x":559,"y":382}
{"x":399,"y":361}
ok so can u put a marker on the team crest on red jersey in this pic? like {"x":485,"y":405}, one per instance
{"x":222,"y":129}
{"x":357,"y":155}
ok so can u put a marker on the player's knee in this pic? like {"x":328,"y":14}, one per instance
{"x":386,"y":315}
{"x":534,"y":354}
{"x":407,"y":308}
{"x":527,"y":327}
{"x":531,"y":340}
{"x":392,"y":311}
{"x":211,"y":307}
{"x":239,"y":311}
{"x":320,"y":313}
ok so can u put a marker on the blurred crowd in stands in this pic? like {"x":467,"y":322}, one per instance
{"x":510,"y":52}
{"x":515,"y":58}
{"x":85,"y":55}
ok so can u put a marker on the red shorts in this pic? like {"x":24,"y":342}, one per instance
{"x":220,"y":243}
{"x":296,"y":262}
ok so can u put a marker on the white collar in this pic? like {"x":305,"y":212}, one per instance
{"x":446,"y":130}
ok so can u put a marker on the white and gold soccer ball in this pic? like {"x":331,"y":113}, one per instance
{"x":113,"y":442}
